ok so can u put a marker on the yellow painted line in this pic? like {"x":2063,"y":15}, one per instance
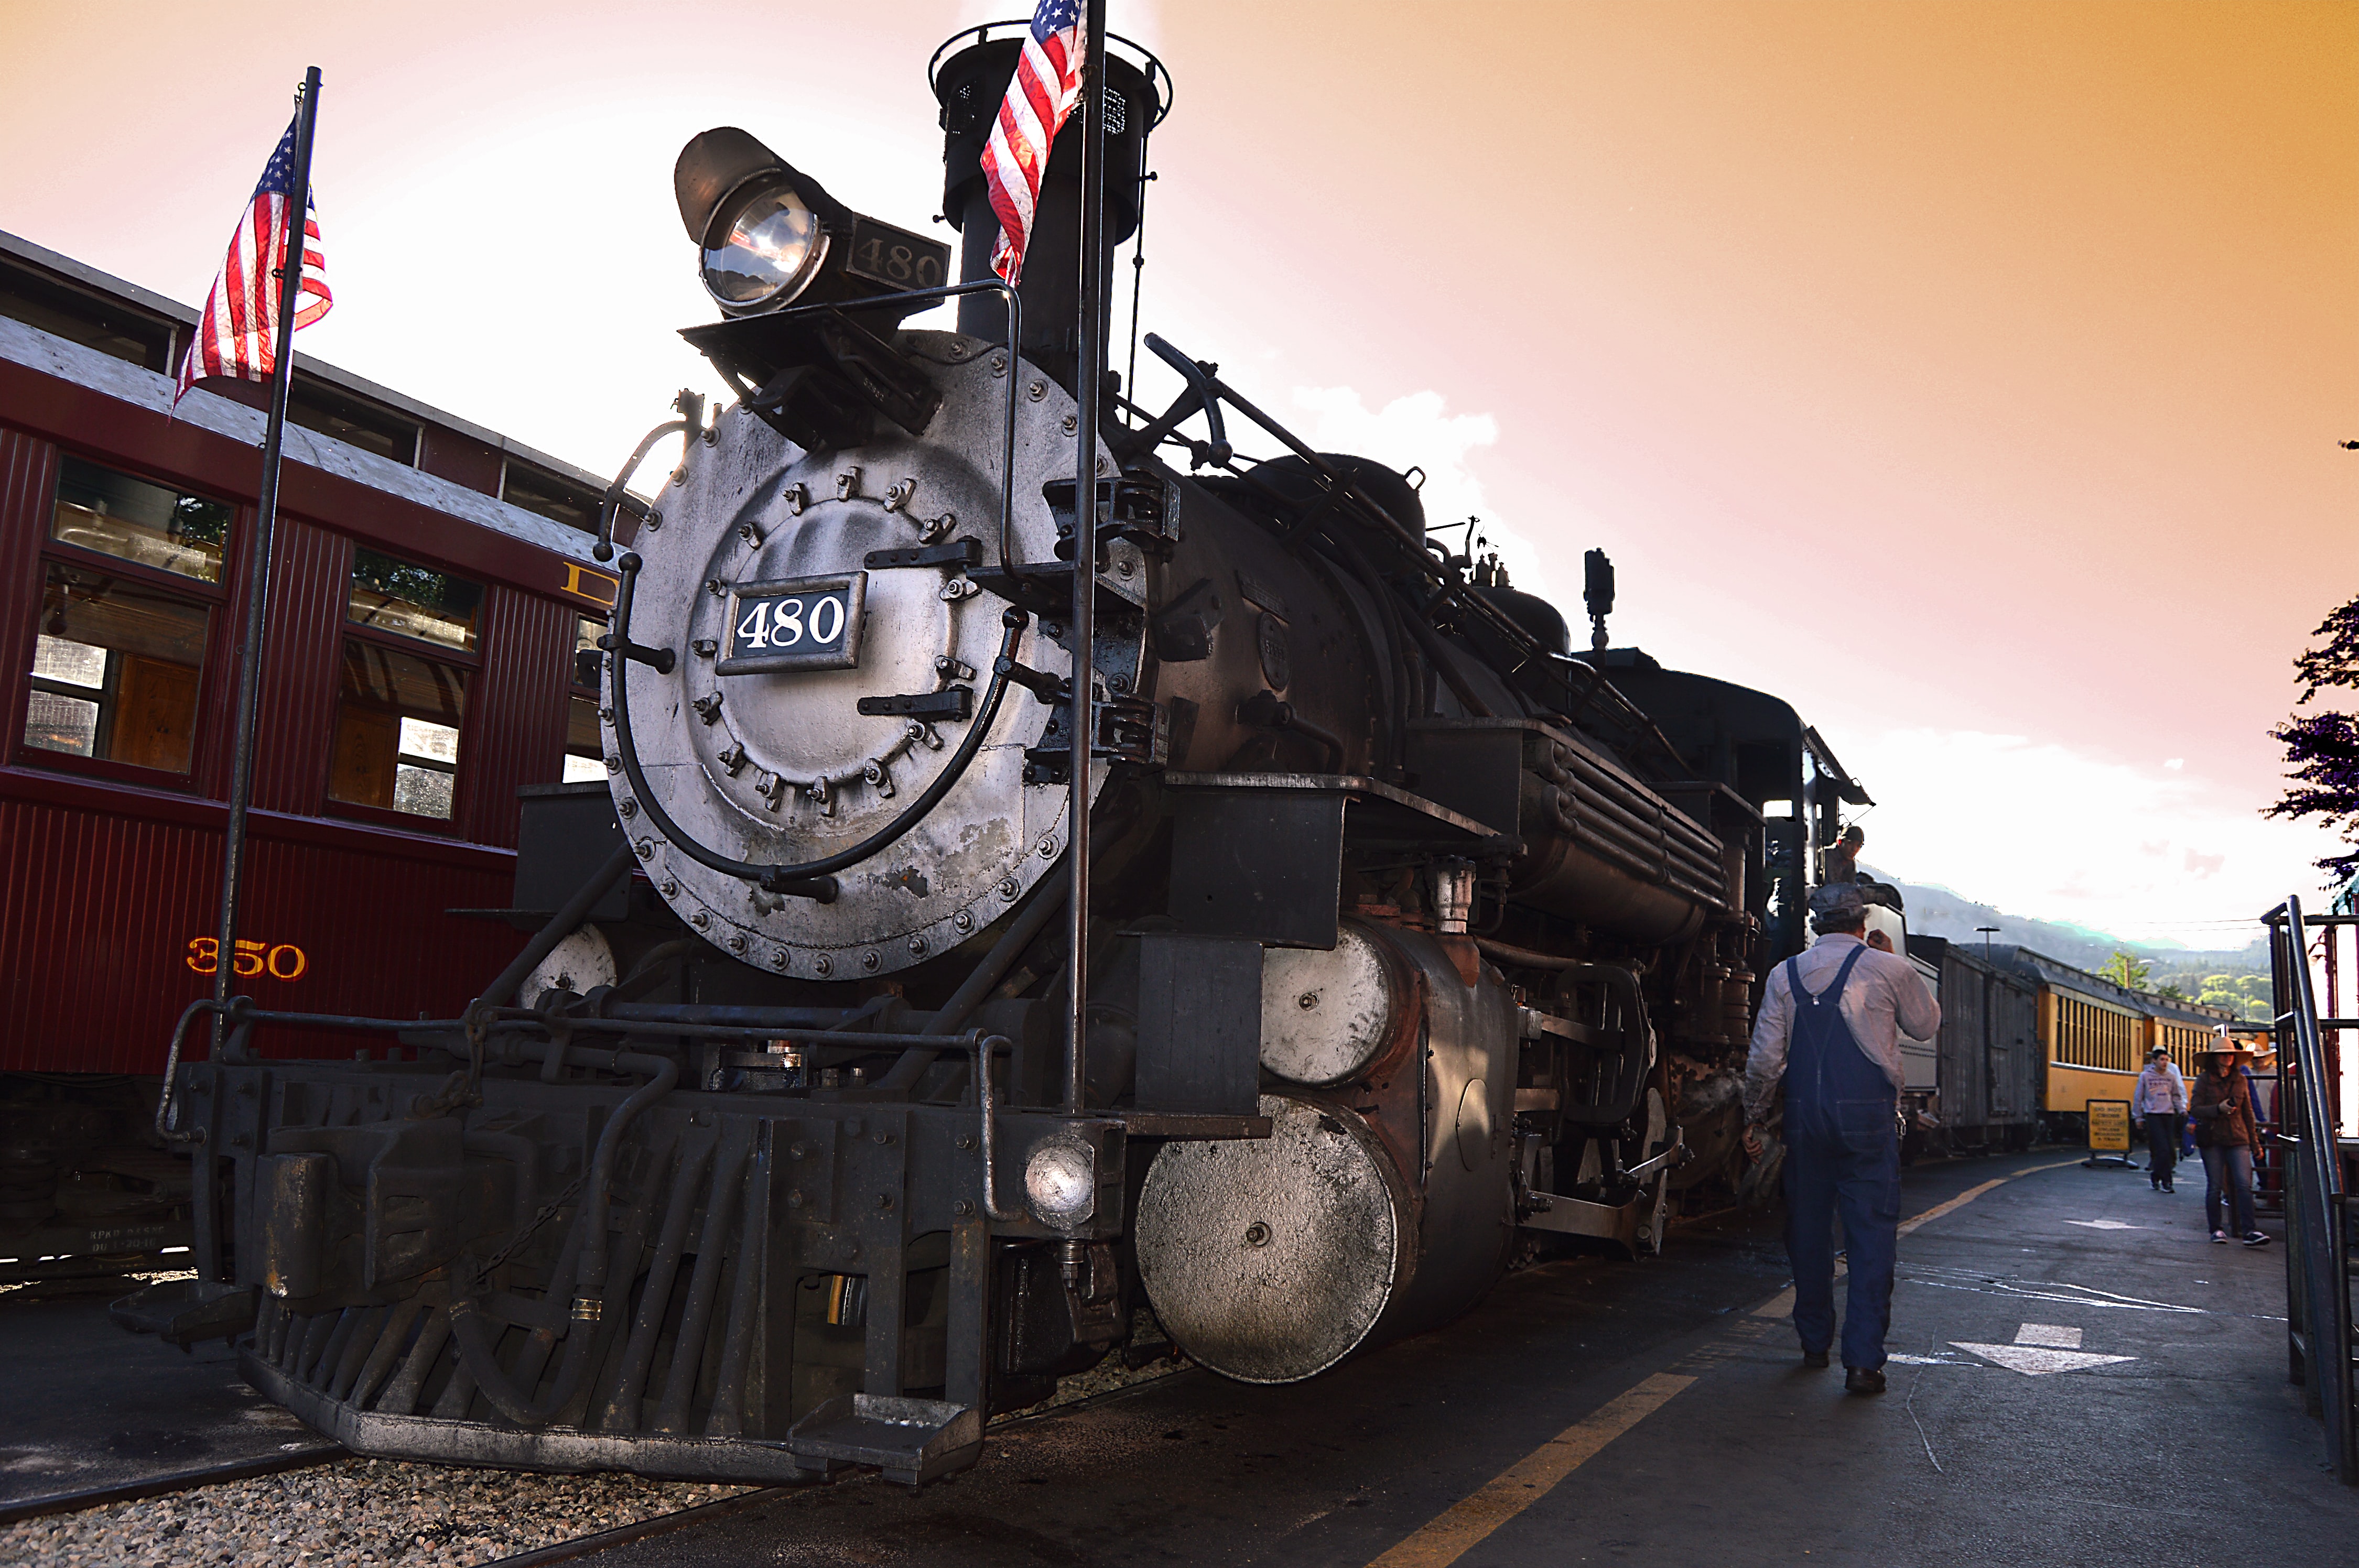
{"x":1454,"y":1531}
{"x":1782,"y":1304}
{"x":1960,"y":1201}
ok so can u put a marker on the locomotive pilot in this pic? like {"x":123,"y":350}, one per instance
{"x":1829,"y":1036}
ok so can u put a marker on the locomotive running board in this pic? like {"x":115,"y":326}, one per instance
{"x":1618,"y":1223}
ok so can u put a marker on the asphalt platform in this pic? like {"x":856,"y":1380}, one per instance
{"x":2079,"y":1376}
{"x":85,"y":1407}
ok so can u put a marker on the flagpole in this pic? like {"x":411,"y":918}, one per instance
{"x":1088,"y":392}
{"x":257,"y":592}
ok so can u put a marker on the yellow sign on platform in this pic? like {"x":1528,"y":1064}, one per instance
{"x":2109,"y":1126}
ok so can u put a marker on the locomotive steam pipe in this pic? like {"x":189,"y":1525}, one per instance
{"x":586,"y":1249}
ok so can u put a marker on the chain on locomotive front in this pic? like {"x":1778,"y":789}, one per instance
{"x":1413,"y":945}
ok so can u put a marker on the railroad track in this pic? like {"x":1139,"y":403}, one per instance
{"x":161,"y":1486}
{"x":414,"y":1515}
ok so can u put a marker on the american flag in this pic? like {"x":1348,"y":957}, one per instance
{"x":1046,"y":86}
{"x":238,"y":333}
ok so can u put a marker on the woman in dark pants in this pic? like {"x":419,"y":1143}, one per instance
{"x":2227,"y":1132}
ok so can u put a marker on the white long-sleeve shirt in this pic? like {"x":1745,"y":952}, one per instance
{"x":1885,"y":995}
{"x":2160,"y":1090}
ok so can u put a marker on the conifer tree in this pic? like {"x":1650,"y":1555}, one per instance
{"x":2322,"y":746}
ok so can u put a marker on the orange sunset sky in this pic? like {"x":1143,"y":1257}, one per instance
{"x":1969,"y":373}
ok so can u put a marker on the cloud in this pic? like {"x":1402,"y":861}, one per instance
{"x":1418,"y":431}
{"x":2175,"y":764}
{"x":2055,"y":832}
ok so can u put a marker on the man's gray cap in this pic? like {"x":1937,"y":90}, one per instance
{"x":1838,"y":903}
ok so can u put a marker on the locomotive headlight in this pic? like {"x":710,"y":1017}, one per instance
{"x":763,"y":247}
{"x":1060,"y":1180}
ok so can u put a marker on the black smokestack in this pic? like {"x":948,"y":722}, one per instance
{"x":971,"y":86}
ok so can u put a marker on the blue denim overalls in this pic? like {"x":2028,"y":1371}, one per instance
{"x":1843,"y":1154}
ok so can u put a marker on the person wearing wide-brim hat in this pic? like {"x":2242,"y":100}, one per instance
{"x":2159,"y":1107}
{"x":2226,"y":1134}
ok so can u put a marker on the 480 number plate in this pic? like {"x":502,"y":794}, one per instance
{"x":797,"y":623}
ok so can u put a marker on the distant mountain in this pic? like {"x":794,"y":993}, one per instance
{"x":1936,"y":911}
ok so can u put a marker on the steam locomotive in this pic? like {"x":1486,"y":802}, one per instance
{"x":1411,"y":943}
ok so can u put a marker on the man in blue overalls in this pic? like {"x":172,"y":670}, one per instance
{"x":1829,"y":1035}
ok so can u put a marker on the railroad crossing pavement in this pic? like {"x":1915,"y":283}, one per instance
{"x":86,"y":1408}
{"x":2080,"y":1375}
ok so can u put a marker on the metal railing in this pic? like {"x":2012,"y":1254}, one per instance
{"x":2318,"y":1277}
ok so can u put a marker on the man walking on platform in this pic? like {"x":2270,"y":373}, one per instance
{"x":1835,"y":1050}
{"x":2160,"y":1105}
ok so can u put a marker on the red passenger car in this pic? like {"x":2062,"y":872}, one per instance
{"x":430,"y":586}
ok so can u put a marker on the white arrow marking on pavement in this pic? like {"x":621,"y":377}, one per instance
{"x":2040,"y":1348}
{"x":2034,"y":1361}
{"x":2108,"y":1224}
{"x":2056,"y":1336}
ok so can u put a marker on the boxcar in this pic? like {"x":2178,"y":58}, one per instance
{"x":1986,"y":1061}
{"x":428,"y":590}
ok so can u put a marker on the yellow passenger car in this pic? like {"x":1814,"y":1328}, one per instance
{"x":2095,"y":1034}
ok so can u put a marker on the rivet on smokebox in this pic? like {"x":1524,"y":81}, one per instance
{"x":700,"y":920}
{"x":1048,"y":847}
{"x":1036,"y":391}
{"x":824,"y":965}
{"x":1008,"y":887}
{"x":869,"y":960}
{"x":963,"y":921}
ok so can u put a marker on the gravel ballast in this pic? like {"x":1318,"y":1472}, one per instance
{"x":388,"y":1513}
{"x":379,"y":1512}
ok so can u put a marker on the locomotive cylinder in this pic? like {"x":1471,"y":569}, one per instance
{"x":1382,"y":1202}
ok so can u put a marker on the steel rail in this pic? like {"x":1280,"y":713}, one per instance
{"x":164,"y":1486}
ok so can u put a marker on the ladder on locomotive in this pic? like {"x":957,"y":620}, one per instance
{"x":2316,"y":1156}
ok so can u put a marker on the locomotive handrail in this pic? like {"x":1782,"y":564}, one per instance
{"x":617,"y":496}
{"x":811,"y":878}
{"x":1209,"y":388}
{"x":240,"y":1010}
